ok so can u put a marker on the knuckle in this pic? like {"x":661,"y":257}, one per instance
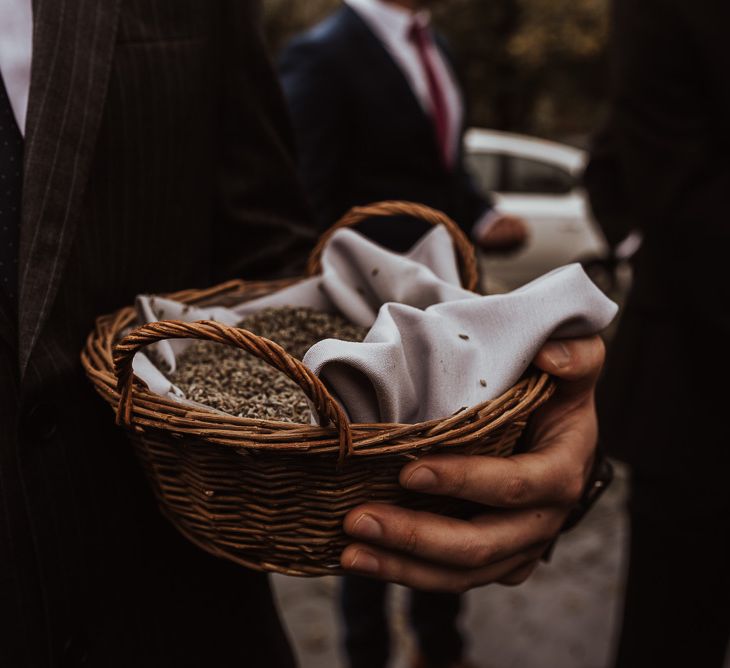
{"x":458,"y":481}
{"x":462,"y":584}
{"x":475,"y":554}
{"x":570,"y":484}
{"x":392,"y":571}
{"x":411,"y":542}
{"x":573,"y":489}
{"x":516,"y":490}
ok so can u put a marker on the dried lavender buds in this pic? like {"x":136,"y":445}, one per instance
{"x":235,"y":382}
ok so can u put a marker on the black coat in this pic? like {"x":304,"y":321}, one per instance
{"x":361,"y":132}
{"x":669,"y":142}
{"x":157,"y":157}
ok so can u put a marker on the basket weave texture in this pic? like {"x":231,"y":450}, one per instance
{"x":272,"y":495}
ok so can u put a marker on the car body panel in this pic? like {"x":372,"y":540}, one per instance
{"x":562,"y":229}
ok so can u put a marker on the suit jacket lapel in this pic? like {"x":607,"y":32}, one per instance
{"x":73,"y":45}
{"x":377,"y":53}
{"x":457,"y":71}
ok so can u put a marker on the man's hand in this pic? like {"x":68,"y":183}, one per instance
{"x":528,"y":495}
{"x":504,"y":234}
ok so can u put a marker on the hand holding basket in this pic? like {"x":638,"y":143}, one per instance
{"x":272,"y":495}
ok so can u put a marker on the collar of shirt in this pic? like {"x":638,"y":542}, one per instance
{"x":16,"y":48}
{"x":390,"y":22}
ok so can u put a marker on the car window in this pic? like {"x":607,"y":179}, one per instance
{"x":523,"y":175}
{"x":498,"y":172}
{"x":488,"y":170}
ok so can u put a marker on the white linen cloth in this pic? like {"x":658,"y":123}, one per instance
{"x":433,"y":347}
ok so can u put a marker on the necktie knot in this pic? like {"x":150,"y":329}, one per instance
{"x":418,"y":33}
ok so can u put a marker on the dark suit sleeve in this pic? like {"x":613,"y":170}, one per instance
{"x":266,"y":229}
{"x":662,"y":130}
{"x":315,"y":96}
{"x":476,"y":201}
{"x":671,"y":150}
{"x":603,"y":181}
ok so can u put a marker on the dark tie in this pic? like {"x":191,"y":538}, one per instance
{"x":11,"y":181}
{"x":421,"y":38}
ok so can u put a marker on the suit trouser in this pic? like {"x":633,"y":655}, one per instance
{"x":677,"y":608}
{"x":367,"y":639}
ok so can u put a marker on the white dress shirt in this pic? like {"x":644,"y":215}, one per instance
{"x":16,"y":48}
{"x":391,"y":24}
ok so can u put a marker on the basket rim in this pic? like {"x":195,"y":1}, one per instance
{"x":152,"y":411}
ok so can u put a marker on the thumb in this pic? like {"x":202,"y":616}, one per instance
{"x":576,"y":362}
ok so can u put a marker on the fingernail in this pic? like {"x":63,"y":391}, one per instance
{"x":364,"y":562}
{"x":557,"y":353}
{"x":422,"y":478}
{"x":366,"y":526}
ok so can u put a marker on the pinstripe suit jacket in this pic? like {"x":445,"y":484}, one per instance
{"x":157,"y":157}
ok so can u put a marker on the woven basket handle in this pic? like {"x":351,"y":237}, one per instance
{"x":464,"y":248}
{"x":327,"y":408}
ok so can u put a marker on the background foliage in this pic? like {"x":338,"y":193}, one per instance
{"x":532,"y":66}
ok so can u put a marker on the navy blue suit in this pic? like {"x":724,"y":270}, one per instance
{"x":363,"y":135}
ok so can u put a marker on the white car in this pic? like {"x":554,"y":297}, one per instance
{"x":539,"y":181}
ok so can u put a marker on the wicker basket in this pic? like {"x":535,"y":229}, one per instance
{"x":272,"y":495}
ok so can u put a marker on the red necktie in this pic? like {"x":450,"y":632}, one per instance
{"x":421,"y":38}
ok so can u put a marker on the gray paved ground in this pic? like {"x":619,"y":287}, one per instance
{"x":563,"y":617}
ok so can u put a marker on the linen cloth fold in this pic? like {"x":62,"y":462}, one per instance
{"x":432,"y":348}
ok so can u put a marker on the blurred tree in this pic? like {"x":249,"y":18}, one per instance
{"x":568,"y":29}
{"x":561,"y":46}
{"x":533,"y":66}
{"x":479,"y":35}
